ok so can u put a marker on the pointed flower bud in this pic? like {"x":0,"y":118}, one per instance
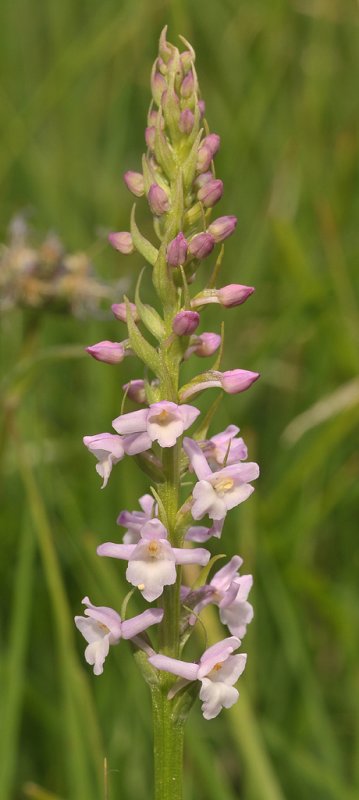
{"x":186,"y":121}
{"x":134,"y":182}
{"x":201,"y":245}
{"x":135,"y":390}
{"x":187,"y":85}
{"x":232,"y":382}
{"x":119,"y":311}
{"x":207,"y":150}
{"x":177,"y":250}
{"x":109,"y":352}
{"x":185,"y":323}
{"x":222,"y":227}
{"x":158,"y":86}
{"x":150,"y":135}
{"x":122,"y":241}
{"x":158,"y":200}
{"x":210,"y":193}
{"x":204,"y":345}
{"x":229,"y":296}
{"x":202,"y":107}
{"x":203,"y":178}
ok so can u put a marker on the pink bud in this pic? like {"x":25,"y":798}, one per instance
{"x":238,"y":380}
{"x":150,"y":134}
{"x":136,"y":390}
{"x":158,"y":86}
{"x":207,"y":149}
{"x":187,"y":85}
{"x":186,"y":121}
{"x":122,"y":241}
{"x":119,"y":311}
{"x":202,"y":179}
{"x":210,"y":193}
{"x":222,"y":227}
{"x":201,"y":245}
{"x":134,"y":182}
{"x":202,"y":107}
{"x":234,"y":294}
{"x":185,"y":323}
{"x":109,"y":352}
{"x":158,"y":200}
{"x":204,"y":345}
{"x":177,"y":250}
{"x":204,"y":158}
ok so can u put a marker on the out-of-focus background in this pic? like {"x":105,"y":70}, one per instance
{"x":280,"y":81}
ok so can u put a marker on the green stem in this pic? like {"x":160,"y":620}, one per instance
{"x":168,"y":747}
{"x":168,"y":728}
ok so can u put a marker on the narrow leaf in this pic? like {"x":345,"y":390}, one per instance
{"x":144,"y":247}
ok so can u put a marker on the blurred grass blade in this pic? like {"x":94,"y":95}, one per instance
{"x":14,"y":678}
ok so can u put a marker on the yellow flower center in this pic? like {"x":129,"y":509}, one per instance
{"x":224,"y":485}
{"x":217,"y":667}
{"x":162,"y":416}
{"x":153,"y":547}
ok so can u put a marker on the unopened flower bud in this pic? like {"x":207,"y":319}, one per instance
{"x":185,"y":322}
{"x":177,"y":250}
{"x":234,"y":294}
{"x":210,"y":193}
{"x":109,"y":352}
{"x":222,"y":227}
{"x":187,"y":85}
{"x":135,"y":390}
{"x":203,"y":178}
{"x":204,"y":345}
{"x":201,"y":245}
{"x":134,"y":182}
{"x":207,"y":150}
{"x":233,"y":381}
{"x":150,"y":134}
{"x":158,"y":200}
{"x":202,"y":107}
{"x":186,"y":121}
{"x":158,"y":86}
{"x":238,"y":380}
{"x":122,"y":241}
{"x":119,"y":311}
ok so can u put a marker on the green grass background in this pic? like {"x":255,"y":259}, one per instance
{"x":280,"y":80}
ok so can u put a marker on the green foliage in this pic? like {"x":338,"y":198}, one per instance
{"x":280,"y":84}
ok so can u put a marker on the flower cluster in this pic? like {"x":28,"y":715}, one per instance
{"x":168,"y":436}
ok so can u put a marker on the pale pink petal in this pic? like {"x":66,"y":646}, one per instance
{"x":189,"y":555}
{"x":197,"y":460}
{"x":113,"y":550}
{"x":183,"y":669}
{"x":134,"y":422}
{"x":132,"y":627}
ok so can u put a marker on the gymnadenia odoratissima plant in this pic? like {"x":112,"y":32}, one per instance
{"x":170,"y":438}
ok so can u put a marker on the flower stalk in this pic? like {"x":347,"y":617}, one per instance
{"x":167,"y":436}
